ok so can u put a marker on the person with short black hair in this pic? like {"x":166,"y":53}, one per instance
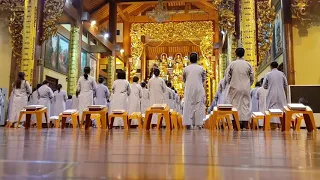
{"x":45,"y":95}
{"x":69,"y":102}
{"x":239,"y":78}
{"x":21,"y":91}
{"x":86,"y":88}
{"x":119,"y":99}
{"x":157,"y":89}
{"x":102,"y":93}
{"x":145,"y":100}
{"x":276,"y":83}
{"x":59,"y":100}
{"x":194,"y":77}
{"x":33,"y":98}
{"x":135,"y":98}
{"x":254,"y":106}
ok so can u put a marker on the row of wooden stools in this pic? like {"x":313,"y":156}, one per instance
{"x":173,"y":120}
{"x":286,"y":118}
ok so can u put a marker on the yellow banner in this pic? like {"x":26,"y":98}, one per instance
{"x":73,"y":60}
{"x":29,"y":36}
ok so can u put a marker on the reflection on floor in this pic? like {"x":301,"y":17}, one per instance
{"x":118,"y":154}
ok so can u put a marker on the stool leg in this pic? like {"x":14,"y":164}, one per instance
{"x":168,"y":121}
{"x":147,"y":121}
{"x":20,"y":117}
{"x":298,"y":123}
{"x":74,"y":121}
{"x":111,"y":119}
{"x":159,"y":124}
{"x":229,"y":122}
{"x":39,"y":120}
{"x":28,"y":120}
{"x":266,"y":123}
{"x":88,"y":122}
{"x":63,"y":122}
{"x":125,"y":122}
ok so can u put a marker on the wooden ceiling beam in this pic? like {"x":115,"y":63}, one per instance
{"x":121,"y":14}
{"x":155,"y":1}
{"x":98,"y":7}
{"x":175,"y":18}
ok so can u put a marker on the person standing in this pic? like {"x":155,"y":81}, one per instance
{"x":60,"y":99}
{"x":254,"y":106}
{"x":135,"y":98}
{"x":194,"y":77}
{"x":21,"y":91}
{"x":33,"y":98}
{"x":86,"y":88}
{"x":168,"y":95}
{"x":145,"y":100}
{"x":157,"y":88}
{"x":276,"y":83}
{"x":120,"y":92}
{"x":262,"y":100}
{"x":45,"y":95}
{"x":102,"y":93}
{"x":239,"y":77}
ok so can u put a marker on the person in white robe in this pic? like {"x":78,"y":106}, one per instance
{"x":1,"y":103}
{"x":120,"y":92}
{"x":194,"y":77}
{"x":45,"y":95}
{"x":168,"y":95}
{"x":145,"y":100}
{"x":254,"y":105}
{"x":86,"y":88}
{"x":75,"y":101}
{"x":21,"y":91}
{"x":33,"y":98}
{"x":239,"y":77}
{"x":135,"y":98}
{"x":102,"y":93}
{"x":262,"y":100}
{"x":157,"y":88}
{"x":59,"y":100}
{"x":276,"y":83}
{"x":69,"y":102}
{"x":219,"y":96}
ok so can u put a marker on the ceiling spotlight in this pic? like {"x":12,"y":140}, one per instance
{"x":106,"y":35}
{"x":93,"y":23}
{"x":122,"y":51}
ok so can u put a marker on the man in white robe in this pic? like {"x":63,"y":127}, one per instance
{"x":239,"y":77}
{"x":194,"y":77}
{"x":145,"y":100}
{"x":168,"y":95}
{"x":135,"y":98}
{"x":60,"y":99}
{"x":276,"y":83}
{"x":262,"y":100}
{"x":254,"y":105}
{"x":45,"y":95}
{"x":157,"y":88}
{"x":102,"y":93}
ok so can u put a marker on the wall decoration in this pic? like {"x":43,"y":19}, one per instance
{"x":84,"y":61}
{"x":278,"y":34}
{"x":57,"y":54}
{"x":93,"y":66}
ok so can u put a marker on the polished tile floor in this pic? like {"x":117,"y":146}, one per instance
{"x":193,"y":154}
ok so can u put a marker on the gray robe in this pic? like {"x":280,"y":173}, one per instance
{"x":135,"y":100}
{"x":87,"y":88}
{"x":276,"y":83}
{"x":239,"y":77}
{"x":254,"y":106}
{"x":157,"y":88}
{"x":168,"y":97}
{"x":145,"y":100}
{"x":45,"y":97}
{"x":102,"y":94}
{"x":194,"y":77}
{"x":59,"y":100}
{"x":262,"y":101}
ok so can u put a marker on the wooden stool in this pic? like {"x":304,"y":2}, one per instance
{"x":180,"y":124}
{"x":255,"y":122}
{"x":86,"y":114}
{"x":166,"y":114}
{"x":38,"y":113}
{"x":138,"y":117}
{"x":297,"y":122}
{"x":218,"y":112}
{"x":267,"y":119}
{"x":124,"y":116}
{"x":74,"y":118}
{"x":174,"y":120}
{"x":307,"y":116}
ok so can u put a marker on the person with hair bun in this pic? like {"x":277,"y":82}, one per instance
{"x":145,"y":100}
{"x":59,"y":100}
{"x":86,"y":88}
{"x":20,"y":93}
{"x":102,"y":93}
{"x":45,"y":95}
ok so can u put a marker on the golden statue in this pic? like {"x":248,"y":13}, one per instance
{"x":164,"y":65}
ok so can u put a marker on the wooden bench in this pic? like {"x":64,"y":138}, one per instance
{"x":267,"y":119}
{"x":226,"y":113}
{"x":74,"y":118}
{"x":138,"y":117}
{"x":124,"y":117}
{"x":38,"y":113}
{"x":254,"y":124}
{"x":86,"y":115}
{"x":307,"y":116}
{"x":162,"y":112}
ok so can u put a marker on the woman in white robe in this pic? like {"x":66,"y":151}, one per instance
{"x":21,"y":91}
{"x":34,"y":97}
{"x":60,"y":99}
{"x":157,"y":88}
{"x":135,"y":98}
{"x":45,"y":95}
{"x":194,"y":77}
{"x":75,"y":101}
{"x":102,"y":93}
{"x":145,"y":100}
{"x":120,"y":92}
{"x":86,"y":88}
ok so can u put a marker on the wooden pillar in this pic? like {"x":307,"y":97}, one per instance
{"x":288,"y":62}
{"x":112,"y":37}
{"x":73,"y":60}
{"x":143,"y":62}
{"x":127,"y":45}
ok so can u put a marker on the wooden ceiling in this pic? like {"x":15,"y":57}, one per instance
{"x":135,"y":11}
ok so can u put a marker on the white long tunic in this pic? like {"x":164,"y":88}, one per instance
{"x":34,"y":99}
{"x":145,"y":100}
{"x":59,"y":100}
{"x":168,"y":97}
{"x":254,"y":100}
{"x":135,"y":100}
{"x":19,"y":100}
{"x":276,"y":83}
{"x":102,"y":94}
{"x":157,"y":88}
{"x":75,"y":103}
{"x":194,"y":77}
{"x":120,"y":92}
{"x":45,"y":96}
{"x":86,"y":87}
{"x":239,"y":77}
{"x":262,"y":101}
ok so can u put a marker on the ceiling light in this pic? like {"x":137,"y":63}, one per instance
{"x":93,"y":23}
